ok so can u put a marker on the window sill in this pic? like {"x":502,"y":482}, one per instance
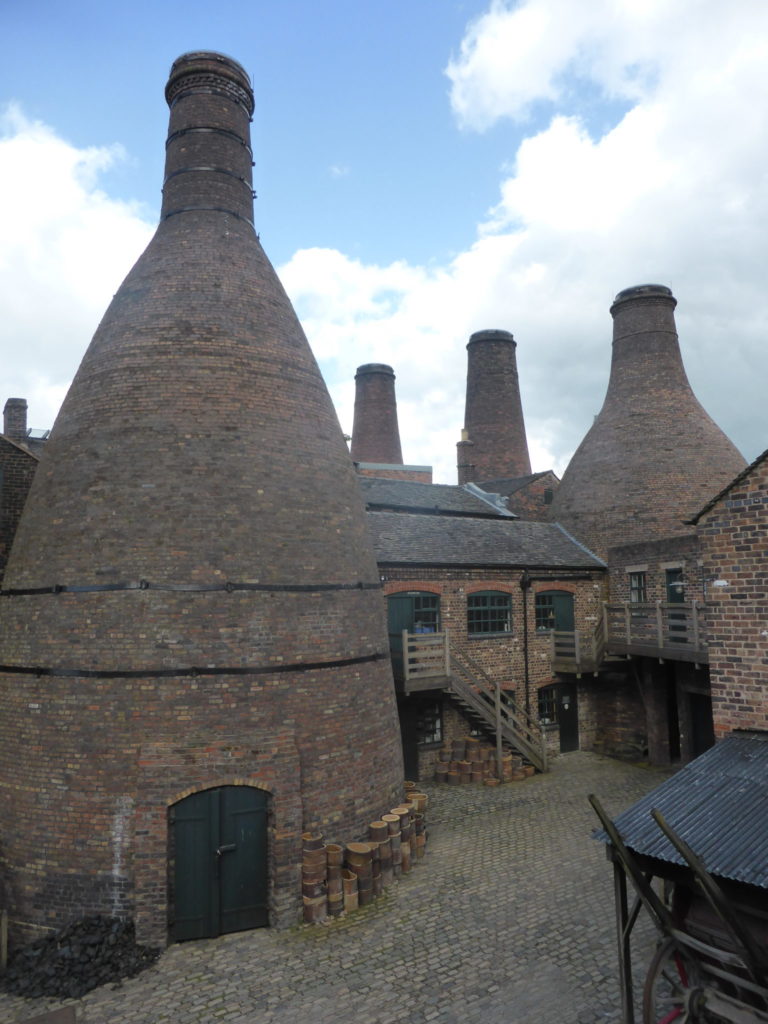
{"x":489,"y":636}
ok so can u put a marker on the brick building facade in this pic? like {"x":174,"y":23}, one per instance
{"x":733,"y":532}
{"x":454,"y":560}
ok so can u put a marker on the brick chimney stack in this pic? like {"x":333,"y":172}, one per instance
{"x":192,"y":601}
{"x":653,"y":456}
{"x":375,"y":434}
{"x":15,"y":419}
{"x":493,"y":444}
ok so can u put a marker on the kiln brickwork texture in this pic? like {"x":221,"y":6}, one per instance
{"x":172,"y":593}
{"x":375,"y":433}
{"x":653,"y":456}
{"x":494,"y":442}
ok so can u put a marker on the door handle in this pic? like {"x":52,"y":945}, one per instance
{"x":225,"y":849}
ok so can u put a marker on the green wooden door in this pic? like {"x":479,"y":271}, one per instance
{"x":220,"y":862}
{"x":399,"y":617}
{"x":554,"y":610}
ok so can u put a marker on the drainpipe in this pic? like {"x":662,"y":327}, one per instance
{"x":525,"y":586}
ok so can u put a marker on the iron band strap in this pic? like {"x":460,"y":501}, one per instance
{"x":208,"y":209}
{"x":192,"y":588}
{"x":211,"y":170}
{"x":193,"y":671}
{"x":209,"y":130}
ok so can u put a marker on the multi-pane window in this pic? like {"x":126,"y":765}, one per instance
{"x":489,"y":611}
{"x":545,"y":611}
{"x":426,"y":613}
{"x":638,"y":589}
{"x":548,"y":704}
{"x":429,"y":723}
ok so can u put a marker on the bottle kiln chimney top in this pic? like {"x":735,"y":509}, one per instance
{"x":654,"y":292}
{"x":494,"y":443}
{"x":209,"y":161}
{"x":491,"y":335}
{"x":375,"y":431}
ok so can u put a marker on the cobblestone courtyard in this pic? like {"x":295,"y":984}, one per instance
{"x":508,"y":920}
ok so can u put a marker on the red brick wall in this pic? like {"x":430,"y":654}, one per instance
{"x":734,"y":543}
{"x":415,"y":474}
{"x":530,"y":502}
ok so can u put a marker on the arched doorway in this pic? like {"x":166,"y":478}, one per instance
{"x":218,"y":870}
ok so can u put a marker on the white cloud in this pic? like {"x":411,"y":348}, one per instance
{"x":65,"y":247}
{"x":674,"y":191}
{"x":671,"y":188}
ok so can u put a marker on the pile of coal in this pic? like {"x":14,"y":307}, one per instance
{"x":90,"y":952}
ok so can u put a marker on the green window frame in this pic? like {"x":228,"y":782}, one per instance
{"x":489,"y":611}
{"x":426,"y":613}
{"x":545,"y":612}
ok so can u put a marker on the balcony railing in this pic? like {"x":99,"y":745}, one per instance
{"x":425,"y":658}
{"x":670,"y":630}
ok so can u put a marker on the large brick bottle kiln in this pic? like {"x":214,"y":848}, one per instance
{"x":194,"y":658}
{"x":653,"y":456}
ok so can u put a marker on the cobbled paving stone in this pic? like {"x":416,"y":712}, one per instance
{"x":508,"y":920}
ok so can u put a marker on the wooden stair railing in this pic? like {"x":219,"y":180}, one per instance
{"x":484,"y":698}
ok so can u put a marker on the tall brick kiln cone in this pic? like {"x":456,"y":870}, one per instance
{"x":192,"y":626}
{"x":653,"y":456}
{"x":494,"y":445}
{"x":375,"y":434}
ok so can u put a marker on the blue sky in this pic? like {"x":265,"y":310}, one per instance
{"x":424,"y":169}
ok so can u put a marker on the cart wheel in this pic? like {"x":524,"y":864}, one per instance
{"x":670,"y":975}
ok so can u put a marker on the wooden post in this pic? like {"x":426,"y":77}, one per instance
{"x":659,"y":625}
{"x":605,"y":622}
{"x":577,"y":649}
{"x":498,"y":732}
{"x":623,"y":929}
{"x":447,"y":654}
{"x":406,"y":674}
{"x":3,"y":940}
{"x":695,"y":623}
{"x":627,"y":623}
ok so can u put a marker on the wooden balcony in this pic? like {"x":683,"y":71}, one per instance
{"x":669,"y":631}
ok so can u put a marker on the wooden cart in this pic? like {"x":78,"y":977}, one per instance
{"x":711,"y":961}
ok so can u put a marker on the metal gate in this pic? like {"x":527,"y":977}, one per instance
{"x":219,"y":854}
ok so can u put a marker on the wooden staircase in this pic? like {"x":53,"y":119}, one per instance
{"x":431,"y":662}
{"x":483,"y":701}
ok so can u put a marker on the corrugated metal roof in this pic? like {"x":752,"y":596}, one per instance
{"x":718,"y":804}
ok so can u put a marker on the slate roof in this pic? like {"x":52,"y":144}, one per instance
{"x":381,"y":493}
{"x":508,"y":485}
{"x":402,"y":538}
{"x":718,"y":804}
